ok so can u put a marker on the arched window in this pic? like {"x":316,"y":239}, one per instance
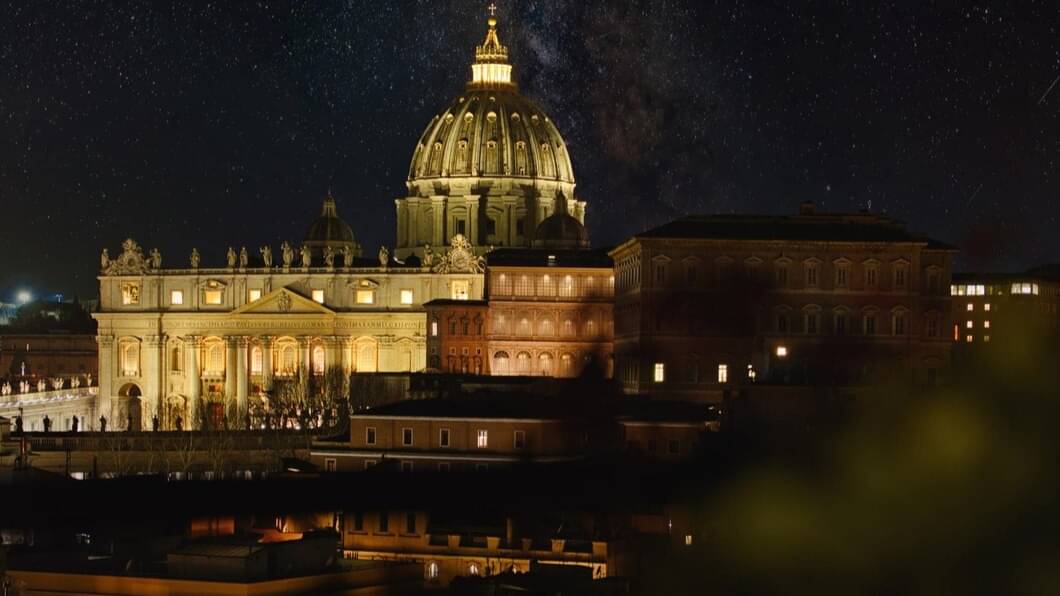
{"x":566,"y":364}
{"x":256,"y":360}
{"x":523,"y":363}
{"x":288,"y":359}
{"x":436,"y":159}
{"x":501,"y":363}
{"x":525,"y":327}
{"x":473,"y":569}
{"x":590,"y":328}
{"x":215,"y":358}
{"x":548,"y":168}
{"x":568,"y":327}
{"x":318,"y":360}
{"x":461,"y":157}
{"x":545,"y":363}
{"x":545,"y":327}
{"x":176,"y":358}
{"x":520,"y":158}
{"x":491,"y":157}
{"x":432,"y":570}
{"x":130,"y":359}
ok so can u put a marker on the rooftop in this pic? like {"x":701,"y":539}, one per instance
{"x":524,"y":257}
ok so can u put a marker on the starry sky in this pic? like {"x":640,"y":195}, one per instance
{"x":208,"y":124}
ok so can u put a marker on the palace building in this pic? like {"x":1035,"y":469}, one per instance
{"x":706,"y":302}
{"x":195,"y":344}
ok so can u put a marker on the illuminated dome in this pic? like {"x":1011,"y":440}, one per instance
{"x":490,"y":166}
{"x":330,"y":230}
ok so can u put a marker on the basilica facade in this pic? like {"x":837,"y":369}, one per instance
{"x":188,"y":344}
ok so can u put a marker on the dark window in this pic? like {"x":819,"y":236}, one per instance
{"x":674,"y":447}
{"x":384,"y":522}
{"x":406,"y":436}
{"x":491,"y":227}
{"x":520,"y":439}
{"x":520,"y":226}
{"x":369,"y":435}
{"x":410,"y":523}
{"x":461,"y":226}
{"x":443,"y":437}
{"x":358,"y":522}
{"x":782,"y":323}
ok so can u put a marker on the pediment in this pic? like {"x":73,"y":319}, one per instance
{"x":283,"y":301}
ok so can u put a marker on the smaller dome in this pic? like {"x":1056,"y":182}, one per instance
{"x":561,"y":231}
{"x":330,"y":230}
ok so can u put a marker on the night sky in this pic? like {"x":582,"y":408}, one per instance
{"x":214,"y":123}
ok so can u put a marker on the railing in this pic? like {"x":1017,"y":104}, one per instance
{"x":16,"y":400}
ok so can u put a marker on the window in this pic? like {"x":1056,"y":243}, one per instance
{"x":434,"y":328}
{"x":362,"y":297}
{"x":842,"y":276}
{"x":688,"y":540}
{"x":443,"y":437}
{"x":358,"y":522}
{"x":659,"y":372}
{"x":723,"y":373}
{"x":811,"y":275}
{"x":473,"y":569}
{"x":932,"y":327}
{"x":898,"y":323}
{"x":256,"y":357}
{"x":782,"y":323}
{"x":318,"y":360}
{"x":406,"y":437}
{"x":255,"y":295}
{"x":782,"y":276}
{"x":130,"y":360}
{"x":410,"y":523}
{"x":176,"y":297}
{"x":483,"y":439}
{"x":871,"y":275}
{"x":520,"y":439}
{"x":407,"y":296}
{"x":782,"y":352}
{"x":369,"y":435}
{"x":841,"y":322}
{"x":691,"y":273}
{"x":130,"y":294}
{"x":213,"y":297}
{"x":933,"y":282}
{"x":969,"y":324}
{"x":330,"y":464}
{"x":461,"y":290}
{"x":813,"y":320}
{"x":986,"y":307}
{"x":384,"y":522}
{"x":869,"y":324}
{"x":986,"y":324}
{"x":969,"y":339}
{"x":986,"y":338}
{"x":900,"y":275}
{"x":432,"y":568}
{"x":215,"y":358}
{"x":660,"y":273}
{"x":970,"y":307}
{"x":369,"y":463}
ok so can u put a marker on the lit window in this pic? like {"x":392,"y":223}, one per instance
{"x":782,"y":351}
{"x":406,"y":436}
{"x":365,"y":297}
{"x":969,"y":339}
{"x":434,"y":328}
{"x":176,"y":297}
{"x":432,"y":570}
{"x":369,"y":435}
{"x":256,"y":361}
{"x":971,"y":307}
{"x":723,"y":373}
{"x":483,"y":439}
{"x":318,"y":296}
{"x":986,"y":324}
{"x":969,"y":324}
{"x":473,"y":569}
{"x":212,"y":297}
{"x":688,"y":540}
{"x":986,"y":307}
{"x":406,"y":296}
{"x":659,"y":375}
{"x":130,"y":294}
{"x":461,"y":290}
{"x":255,"y":295}
{"x":986,"y":338}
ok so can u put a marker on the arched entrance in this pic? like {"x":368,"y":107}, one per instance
{"x":175,"y":411}
{"x":132,"y":408}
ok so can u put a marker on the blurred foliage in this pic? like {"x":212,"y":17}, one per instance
{"x":949,"y":490}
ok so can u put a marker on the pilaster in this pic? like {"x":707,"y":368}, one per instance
{"x":193,"y":378}
{"x":106,"y":378}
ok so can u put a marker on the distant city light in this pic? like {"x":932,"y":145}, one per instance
{"x":24,"y":297}
{"x":782,"y":351}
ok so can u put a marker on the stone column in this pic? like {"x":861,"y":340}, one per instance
{"x":105,"y":377}
{"x":266,"y":362}
{"x":231,"y":366}
{"x":332,"y":347}
{"x":153,"y":380}
{"x":305,"y":344}
{"x":472,"y":219}
{"x":438,"y":229}
{"x":193,"y":378}
{"x":346,"y":345}
{"x":242,"y":382}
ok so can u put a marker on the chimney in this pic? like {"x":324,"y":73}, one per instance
{"x":807,"y":208}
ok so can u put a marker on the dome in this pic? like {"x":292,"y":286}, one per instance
{"x":492,"y":132}
{"x":561,"y":231}
{"x":330,"y":230}
{"x":488,"y":167}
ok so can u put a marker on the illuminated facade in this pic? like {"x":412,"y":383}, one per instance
{"x":173,"y":341}
{"x":491,"y":166}
{"x":548,"y":313}
{"x":708,"y":301}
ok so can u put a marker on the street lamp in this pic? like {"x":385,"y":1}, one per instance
{"x":24,"y":297}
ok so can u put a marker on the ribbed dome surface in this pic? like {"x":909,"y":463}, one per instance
{"x":560,"y":230}
{"x":492,"y":132}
